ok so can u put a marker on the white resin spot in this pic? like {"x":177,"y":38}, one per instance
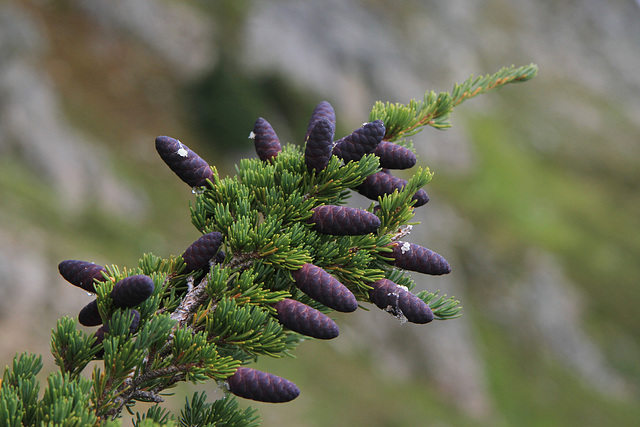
{"x":405,"y":247}
{"x":182,"y":152}
{"x":252,"y":135}
{"x":403,"y":287}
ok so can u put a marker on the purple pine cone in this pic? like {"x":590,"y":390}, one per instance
{"x":89,"y":315}
{"x":189,"y":167}
{"x":360,"y":142}
{"x":400,"y":302}
{"x":197,"y":255}
{"x":261,"y":386}
{"x":305,"y":320}
{"x":324,"y":288}
{"x":319,"y":145}
{"x":323,"y":111}
{"x":394,"y":156}
{"x":132,"y":291}
{"x":81,"y":273}
{"x":381,"y":183}
{"x":343,"y":221}
{"x":265,"y":140}
{"x":410,"y":256}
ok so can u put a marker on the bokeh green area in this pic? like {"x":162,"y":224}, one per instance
{"x":579,"y":203}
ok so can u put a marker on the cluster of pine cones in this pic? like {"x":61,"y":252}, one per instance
{"x":314,"y":281}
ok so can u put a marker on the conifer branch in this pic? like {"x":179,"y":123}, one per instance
{"x":278,"y":252}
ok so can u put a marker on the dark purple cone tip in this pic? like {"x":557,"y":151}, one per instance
{"x":410,"y":256}
{"x":306,"y":320}
{"x":323,"y":111}
{"x":360,"y":142}
{"x":317,"y":152}
{"x":261,"y":386}
{"x":265,"y":140}
{"x":400,"y":302}
{"x":185,"y":163}
{"x":394,"y":156}
{"x":89,"y":315}
{"x":381,"y":183}
{"x":324,"y":288}
{"x":81,"y":273}
{"x":132,"y":291}
{"x":343,"y":221}
{"x":198,"y":255}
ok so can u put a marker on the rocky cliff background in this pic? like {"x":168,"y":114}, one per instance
{"x":535,"y":201}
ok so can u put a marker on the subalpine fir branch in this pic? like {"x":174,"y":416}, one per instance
{"x":279,"y":252}
{"x":435,"y":109}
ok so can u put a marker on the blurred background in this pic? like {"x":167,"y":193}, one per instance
{"x":535,"y":200}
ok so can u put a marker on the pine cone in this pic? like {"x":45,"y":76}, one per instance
{"x":265,"y":140}
{"x":197,"y":256}
{"x":381,"y":183}
{"x":324,"y":288}
{"x":343,"y":221}
{"x":394,"y":156}
{"x":410,"y":256}
{"x":400,"y":302}
{"x":132,"y":291}
{"x":81,"y":273}
{"x":319,"y":145}
{"x":305,"y":320}
{"x":189,"y":167}
{"x":89,"y":315}
{"x":360,"y":142}
{"x":323,"y":110}
{"x":261,"y":386}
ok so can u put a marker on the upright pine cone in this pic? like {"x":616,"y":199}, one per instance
{"x":343,"y":221}
{"x":132,"y":291}
{"x":317,"y":152}
{"x":394,"y":156}
{"x":324,"y":288}
{"x":360,"y":142}
{"x":305,"y":320}
{"x":261,"y":386}
{"x":89,"y":315}
{"x":381,"y":183}
{"x":197,"y":256}
{"x":189,"y":167}
{"x":400,"y":302}
{"x":323,"y":111}
{"x":265,"y":140}
{"x":81,"y":273}
{"x":410,"y":256}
